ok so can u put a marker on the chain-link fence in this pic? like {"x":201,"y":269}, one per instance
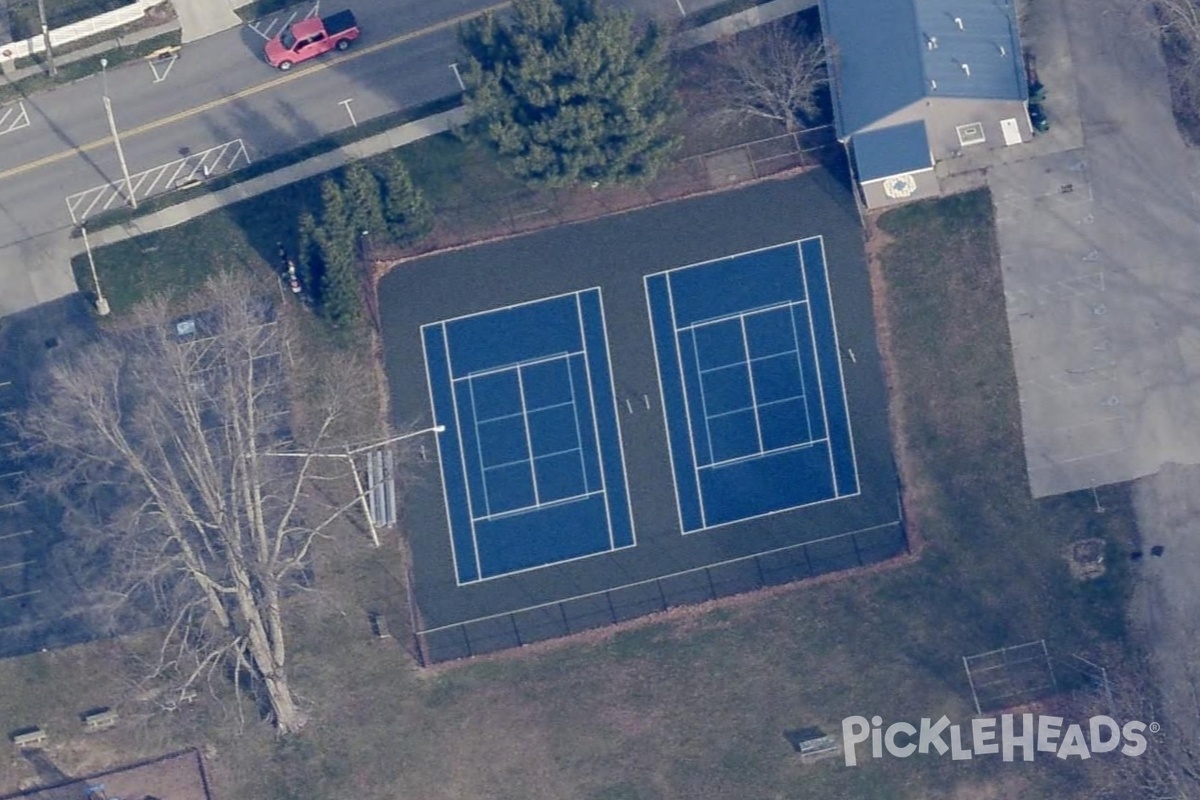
{"x":529,"y":210}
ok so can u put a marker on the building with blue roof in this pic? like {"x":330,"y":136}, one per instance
{"x":915,"y":82}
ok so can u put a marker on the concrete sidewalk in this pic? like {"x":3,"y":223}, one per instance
{"x":200,"y":18}
{"x":380,"y":143}
{"x":14,"y":74}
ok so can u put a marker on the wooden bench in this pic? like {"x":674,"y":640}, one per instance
{"x":379,"y":627}
{"x":29,"y":738}
{"x":100,"y":720}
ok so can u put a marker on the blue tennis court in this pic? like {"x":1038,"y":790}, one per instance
{"x":752,"y":385}
{"x":531,"y":457}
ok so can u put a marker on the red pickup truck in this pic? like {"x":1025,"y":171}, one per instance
{"x":310,"y":38}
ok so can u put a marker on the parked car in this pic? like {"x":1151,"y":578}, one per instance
{"x":310,"y":38}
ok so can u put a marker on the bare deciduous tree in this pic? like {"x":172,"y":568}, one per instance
{"x":1169,"y":769}
{"x":157,"y":445}
{"x":1179,"y":19}
{"x":770,"y":72}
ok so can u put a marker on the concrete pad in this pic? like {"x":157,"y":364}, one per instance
{"x":36,"y":271}
{"x":1096,"y":249}
{"x":201,"y":18}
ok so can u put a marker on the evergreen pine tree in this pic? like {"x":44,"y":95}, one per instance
{"x":308,"y":257}
{"x":568,"y":92}
{"x":364,"y":201}
{"x":340,"y":295}
{"x":406,"y":211}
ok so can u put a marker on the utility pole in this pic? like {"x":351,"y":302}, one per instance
{"x":46,"y":38}
{"x":112,"y":126}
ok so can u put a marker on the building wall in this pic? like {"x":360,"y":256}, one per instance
{"x":943,"y":115}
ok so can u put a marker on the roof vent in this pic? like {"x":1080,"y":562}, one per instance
{"x":1003,"y":52}
{"x":933,"y":85}
{"x":967,"y":69}
{"x":931,"y":42}
{"x":958,"y":22}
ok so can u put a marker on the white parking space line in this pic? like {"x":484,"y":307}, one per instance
{"x":266,"y":28}
{"x":162,"y":67}
{"x":346,"y":103}
{"x":177,"y":174}
{"x":458,"y":77}
{"x":13,"y":117}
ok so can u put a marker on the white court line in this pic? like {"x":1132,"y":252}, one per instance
{"x":17,"y":565}
{"x":817,"y":360}
{"x":487,"y":497}
{"x":579,"y":431}
{"x":750,"y":380}
{"x":533,"y":362}
{"x":616,"y":421}
{"x":462,"y":454}
{"x":19,"y":595}
{"x":687,"y":409}
{"x":744,"y":409}
{"x":501,"y":417}
{"x":438,"y":442}
{"x":662,"y":394}
{"x":800,"y":366}
{"x":773,"y":451}
{"x":517,"y":512}
{"x":703,"y":399}
{"x":746,"y":312}
{"x":528,"y":436}
{"x":565,"y":357}
{"x":15,"y":535}
{"x":587,"y":371}
{"x":509,"y":307}
{"x":841,"y":374}
{"x":796,"y":242}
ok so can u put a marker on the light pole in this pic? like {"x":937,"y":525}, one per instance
{"x":46,"y":38}
{"x":349,"y":456}
{"x":101,"y":303}
{"x":112,"y":126}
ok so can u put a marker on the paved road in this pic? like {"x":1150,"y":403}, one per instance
{"x":218,"y":90}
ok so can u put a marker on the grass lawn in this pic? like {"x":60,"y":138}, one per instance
{"x":694,"y":705}
{"x":244,"y":235}
{"x":24,"y":20}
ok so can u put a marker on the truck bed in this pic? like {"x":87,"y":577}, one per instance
{"x":340,"y":22}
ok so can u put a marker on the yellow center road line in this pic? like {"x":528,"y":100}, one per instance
{"x":287,"y":77}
